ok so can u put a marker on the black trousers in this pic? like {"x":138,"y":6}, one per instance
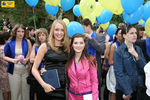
{"x":147,"y":97}
{"x":58,"y":94}
{"x":36,"y":88}
{"x":106,"y":91}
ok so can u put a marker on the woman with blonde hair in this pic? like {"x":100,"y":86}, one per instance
{"x":41,"y":37}
{"x":55,"y":54}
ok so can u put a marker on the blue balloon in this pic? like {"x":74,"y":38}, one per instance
{"x":32,"y":3}
{"x":52,"y":10}
{"x":142,"y":23}
{"x":111,"y":30}
{"x":74,"y":28}
{"x":76,"y":10}
{"x":67,"y":4}
{"x":104,"y":17}
{"x":146,"y":11}
{"x":131,"y":6}
{"x":134,"y":17}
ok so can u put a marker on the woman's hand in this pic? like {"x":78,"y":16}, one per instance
{"x":48,"y":88}
{"x":127,"y":97}
{"x":88,"y":36}
{"x":132,"y":51}
{"x":42,"y":70}
{"x":15,"y":61}
{"x":24,"y":61}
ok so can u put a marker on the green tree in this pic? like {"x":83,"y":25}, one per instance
{"x":23,"y":13}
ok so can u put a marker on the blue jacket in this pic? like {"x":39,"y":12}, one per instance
{"x":9,"y":51}
{"x":128,"y":70}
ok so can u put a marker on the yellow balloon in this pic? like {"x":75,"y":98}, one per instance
{"x":86,"y":7}
{"x":147,"y":27}
{"x":113,"y":5}
{"x":59,"y":3}
{"x":104,"y":26}
{"x":98,"y":9}
{"x":66,"y":20}
{"x":140,"y":21}
{"x":52,"y":2}
{"x":91,"y":17}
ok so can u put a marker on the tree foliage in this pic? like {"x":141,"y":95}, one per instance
{"x":23,"y":13}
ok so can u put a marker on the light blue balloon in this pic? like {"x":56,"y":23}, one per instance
{"x":104,"y":17}
{"x":146,"y":11}
{"x":74,"y":28}
{"x":52,"y":10}
{"x":32,"y":3}
{"x":111,"y":30}
{"x":76,"y":10}
{"x":134,"y":17}
{"x":67,"y":4}
{"x":131,"y":6}
{"x":142,"y":23}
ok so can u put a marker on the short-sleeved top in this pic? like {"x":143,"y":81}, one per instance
{"x":52,"y":60}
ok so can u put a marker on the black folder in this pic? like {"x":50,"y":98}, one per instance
{"x":51,"y":77}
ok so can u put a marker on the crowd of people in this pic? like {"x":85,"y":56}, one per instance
{"x":84,"y":62}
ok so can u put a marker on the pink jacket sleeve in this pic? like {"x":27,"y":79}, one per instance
{"x":94,"y":82}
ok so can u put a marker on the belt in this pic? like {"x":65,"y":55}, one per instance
{"x":80,"y":93}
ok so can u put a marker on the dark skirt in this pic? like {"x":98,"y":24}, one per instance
{"x":35,"y":87}
{"x":58,"y":94}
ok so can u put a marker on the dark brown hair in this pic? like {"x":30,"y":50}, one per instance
{"x":129,"y":27}
{"x":84,"y":53}
{"x":139,"y":28}
{"x":86,"y":22}
{"x":123,"y":31}
{"x":14,"y":31}
{"x":4,"y":36}
{"x":91,"y":58}
{"x":28,"y":29}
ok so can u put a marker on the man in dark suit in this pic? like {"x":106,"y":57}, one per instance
{"x":96,"y":45}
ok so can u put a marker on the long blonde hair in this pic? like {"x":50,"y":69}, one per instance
{"x":65,"y":41}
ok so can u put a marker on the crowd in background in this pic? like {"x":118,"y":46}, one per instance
{"x":85,"y":62}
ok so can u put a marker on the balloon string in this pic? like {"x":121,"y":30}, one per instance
{"x":34,"y":18}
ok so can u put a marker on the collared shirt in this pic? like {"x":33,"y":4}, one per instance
{"x":147,"y":74}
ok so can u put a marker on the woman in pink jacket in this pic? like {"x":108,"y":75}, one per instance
{"x":81,"y":71}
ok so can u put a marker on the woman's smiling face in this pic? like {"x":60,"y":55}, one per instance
{"x":78,"y":45}
{"x":58,"y":32}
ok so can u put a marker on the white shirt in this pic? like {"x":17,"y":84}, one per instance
{"x":147,"y":81}
{"x":91,"y":34}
